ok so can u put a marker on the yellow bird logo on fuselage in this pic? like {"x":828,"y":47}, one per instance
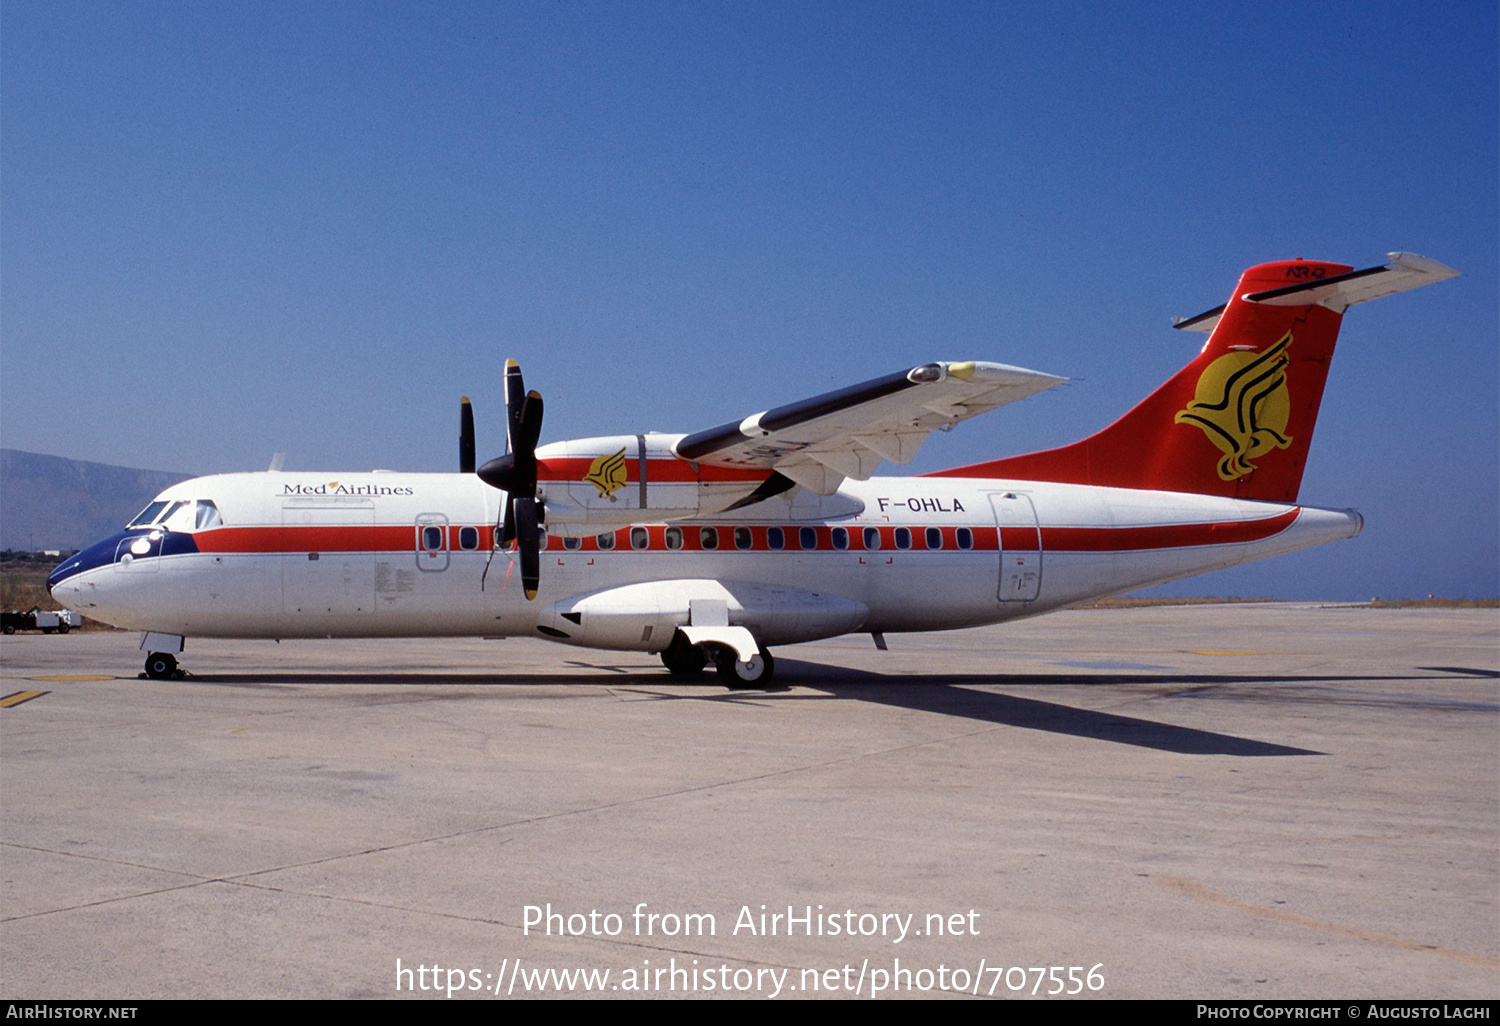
{"x":1242,"y":405}
{"x":608,"y":474}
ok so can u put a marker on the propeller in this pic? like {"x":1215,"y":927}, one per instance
{"x":465,"y":437}
{"x":515,"y":474}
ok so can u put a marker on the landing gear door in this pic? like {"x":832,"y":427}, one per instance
{"x":1020,"y":547}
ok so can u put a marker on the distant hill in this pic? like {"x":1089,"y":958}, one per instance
{"x":48,"y":502}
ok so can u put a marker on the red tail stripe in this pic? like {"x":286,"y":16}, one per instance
{"x":1166,"y":536}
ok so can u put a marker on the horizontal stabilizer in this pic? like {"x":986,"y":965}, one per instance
{"x":1339,"y":292}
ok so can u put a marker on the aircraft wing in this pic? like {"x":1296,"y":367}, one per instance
{"x":820,"y":441}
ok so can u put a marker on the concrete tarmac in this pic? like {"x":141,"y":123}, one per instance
{"x":1235,"y":802}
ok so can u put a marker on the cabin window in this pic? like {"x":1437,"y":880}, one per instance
{"x":807,"y":537}
{"x":674,"y":537}
{"x":606,"y":540}
{"x":903,"y":538}
{"x":743,"y":539}
{"x":775,"y":537}
{"x":432,"y":539}
{"x":934,"y":538}
{"x":708,"y":537}
{"x":840,"y":538}
{"x":572,"y":543}
{"x":639,"y":539}
{"x":468,"y":538}
{"x":207,"y":515}
{"x":965,"y":538}
{"x":872,"y":538}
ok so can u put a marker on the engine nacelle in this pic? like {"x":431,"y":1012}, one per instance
{"x":590,"y":483}
{"x":643,"y":617}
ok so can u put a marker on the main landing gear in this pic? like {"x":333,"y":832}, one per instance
{"x":684,"y":659}
{"x":753,"y":674}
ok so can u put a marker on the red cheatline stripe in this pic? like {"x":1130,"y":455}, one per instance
{"x":404,"y":538}
{"x":308,"y":539}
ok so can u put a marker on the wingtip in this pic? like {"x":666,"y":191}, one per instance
{"x":1423,"y":265}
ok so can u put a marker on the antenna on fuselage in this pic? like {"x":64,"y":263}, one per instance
{"x":278,"y":460}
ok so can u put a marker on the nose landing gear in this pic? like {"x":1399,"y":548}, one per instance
{"x":161,"y":666}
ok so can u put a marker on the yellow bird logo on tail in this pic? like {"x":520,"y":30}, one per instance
{"x":607,"y":473}
{"x":1242,"y":405}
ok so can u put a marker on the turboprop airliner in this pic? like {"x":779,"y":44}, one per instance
{"x":768,"y":530}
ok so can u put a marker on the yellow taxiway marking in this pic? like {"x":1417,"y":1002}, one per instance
{"x":20,"y":696}
{"x":75,"y":676}
{"x":1224,"y":652}
{"x":1193,"y":889}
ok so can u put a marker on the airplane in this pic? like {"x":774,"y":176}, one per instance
{"x":768,"y":530}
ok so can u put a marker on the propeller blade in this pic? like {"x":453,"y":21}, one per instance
{"x":465,"y":437}
{"x":508,"y":525}
{"x":531,"y":424}
{"x":515,"y":398}
{"x":528,"y":542}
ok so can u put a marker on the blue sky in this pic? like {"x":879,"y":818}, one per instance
{"x":236,"y":228}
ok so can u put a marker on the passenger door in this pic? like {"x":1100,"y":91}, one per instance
{"x":1020,"y":547}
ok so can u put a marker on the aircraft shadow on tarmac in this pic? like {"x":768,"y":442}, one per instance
{"x":944,"y":694}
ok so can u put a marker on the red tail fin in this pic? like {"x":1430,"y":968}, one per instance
{"x":1238,"y":420}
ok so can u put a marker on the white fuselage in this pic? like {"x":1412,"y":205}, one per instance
{"x":394,"y":554}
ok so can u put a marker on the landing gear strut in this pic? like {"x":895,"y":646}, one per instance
{"x":161,"y":665}
{"x":735,"y":674}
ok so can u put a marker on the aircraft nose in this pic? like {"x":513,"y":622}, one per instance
{"x":67,"y":568}
{"x":101,"y":553}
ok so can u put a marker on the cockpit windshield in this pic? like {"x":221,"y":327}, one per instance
{"x":148,"y":515}
{"x":179,"y":515}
